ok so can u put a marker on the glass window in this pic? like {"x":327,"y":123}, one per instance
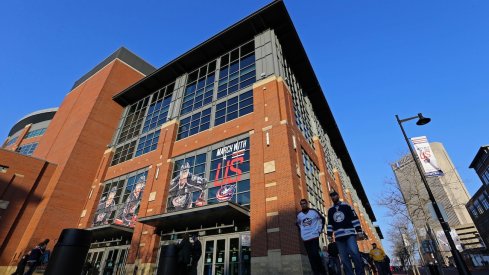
{"x":159,"y":108}
{"x":35,"y":133}
{"x":147,"y":143}
{"x":237,"y":70}
{"x":485,"y":176}
{"x":473,"y":211}
{"x":301,"y":102}
{"x":140,"y":124}
{"x":314,"y":190}
{"x":12,"y":141}
{"x":483,"y":201}
{"x":199,"y":90}
{"x":194,"y":124}
{"x":478,"y":206}
{"x":234,"y":108}
{"x":27,"y":149}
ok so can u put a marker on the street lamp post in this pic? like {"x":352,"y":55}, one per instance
{"x":461,"y":266}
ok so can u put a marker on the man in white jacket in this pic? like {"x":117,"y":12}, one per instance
{"x":311,"y":224}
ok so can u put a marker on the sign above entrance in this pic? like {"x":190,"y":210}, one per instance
{"x":198,"y":182}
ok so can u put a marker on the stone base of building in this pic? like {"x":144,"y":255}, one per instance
{"x":142,"y":268}
{"x":276,"y":263}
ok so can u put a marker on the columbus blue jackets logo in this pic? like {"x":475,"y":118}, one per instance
{"x":307,"y":222}
{"x":338,"y":216}
{"x":226,"y":192}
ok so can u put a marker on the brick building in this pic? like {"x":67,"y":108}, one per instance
{"x":43,"y":186}
{"x":222,"y":142}
{"x":478,"y":205}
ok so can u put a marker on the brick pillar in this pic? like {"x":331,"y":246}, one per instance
{"x":96,"y":190}
{"x":145,"y":239}
{"x":21,"y":137}
{"x":276,"y":186}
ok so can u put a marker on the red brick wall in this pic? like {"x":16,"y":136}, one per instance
{"x":22,"y":185}
{"x":76,"y":140}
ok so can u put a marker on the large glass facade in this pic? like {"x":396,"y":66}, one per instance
{"x":301,"y":112}
{"x":139,"y":130}
{"x":214,"y":93}
{"x":214,"y":174}
{"x":314,"y":189}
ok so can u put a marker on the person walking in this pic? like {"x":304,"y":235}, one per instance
{"x":334,"y":266}
{"x":196,"y":254}
{"x":344,"y":224}
{"x":378,"y":256}
{"x":311,"y":224}
{"x":35,"y":256}
{"x":325,"y":257}
{"x":184,"y":255}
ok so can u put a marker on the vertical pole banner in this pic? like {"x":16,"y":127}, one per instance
{"x":426,"y":157}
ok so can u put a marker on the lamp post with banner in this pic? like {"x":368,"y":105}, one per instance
{"x":461,"y":266}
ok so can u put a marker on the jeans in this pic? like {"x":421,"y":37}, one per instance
{"x":347,"y":246}
{"x":312,"y":248}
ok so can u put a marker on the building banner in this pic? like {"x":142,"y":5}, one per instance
{"x":186,"y":189}
{"x":112,"y":209}
{"x":226,"y":167}
{"x":426,"y":157}
{"x":128,"y":212}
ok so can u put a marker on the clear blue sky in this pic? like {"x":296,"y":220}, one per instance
{"x":374,"y":59}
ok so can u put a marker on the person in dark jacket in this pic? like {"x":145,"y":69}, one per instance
{"x":344,"y":224}
{"x":184,"y":255}
{"x":196,"y":254}
{"x":35,"y":256}
{"x":334,"y":266}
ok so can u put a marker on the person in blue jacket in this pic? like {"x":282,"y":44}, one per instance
{"x":311,"y":224}
{"x":344,"y":224}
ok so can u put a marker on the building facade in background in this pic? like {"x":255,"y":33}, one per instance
{"x":478,"y":205}
{"x":221,"y":142}
{"x":451,"y":195}
{"x":43,"y":193}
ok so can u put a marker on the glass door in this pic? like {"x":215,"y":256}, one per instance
{"x":108,"y":261}
{"x":224,"y":255}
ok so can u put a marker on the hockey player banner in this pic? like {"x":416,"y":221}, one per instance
{"x":186,"y":190}
{"x":112,"y":209}
{"x":127,"y":214}
{"x":426,"y":157}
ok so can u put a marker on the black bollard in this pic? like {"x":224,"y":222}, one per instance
{"x":167,"y":264}
{"x":69,"y":252}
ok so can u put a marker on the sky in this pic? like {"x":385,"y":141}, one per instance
{"x":373,"y":59}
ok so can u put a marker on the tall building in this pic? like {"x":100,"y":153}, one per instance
{"x":451,"y":195}
{"x":44,"y":192}
{"x":221,"y":142}
{"x":478,"y":205}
